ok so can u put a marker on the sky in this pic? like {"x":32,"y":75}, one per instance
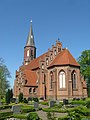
{"x":68,"y":20}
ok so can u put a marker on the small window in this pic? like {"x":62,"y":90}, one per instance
{"x":34,"y":90}
{"x":59,"y":49}
{"x":30,"y":90}
{"x":27,"y":53}
{"x":47,"y":61}
{"x":25,"y":81}
{"x":51,"y":57}
{"x":42,"y":66}
{"x":55,"y":53}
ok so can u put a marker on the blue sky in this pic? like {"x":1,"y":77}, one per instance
{"x":68,"y":20}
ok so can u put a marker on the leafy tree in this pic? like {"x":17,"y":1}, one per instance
{"x":21,"y":97}
{"x":4,"y":75}
{"x":84,"y":61}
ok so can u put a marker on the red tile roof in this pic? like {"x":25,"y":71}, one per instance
{"x":31,"y":77}
{"x":64,"y":58}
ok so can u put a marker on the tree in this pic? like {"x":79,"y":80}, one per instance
{"x":4,"y":75}
{"x":8,"y":96}
{"x":84,"y":61}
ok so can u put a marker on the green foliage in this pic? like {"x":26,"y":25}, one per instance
{"x":20,"y":116}
{"x":51,"y":116}
{"x":4,"y":75}
{"x":88,"y":104}
{"x":5,"y":107}
{"x":32,"y":116}
{"x":84,"y":61}
{"x":25,"y":100}
{"x":36,"y":99}
{"x":73,"y":116}
{"x":21,"y":97}
{"x":26,"y":109}
{"x":44,"y":103}
{"x":8,"y":97}
{"x":4,"y":115}
{"x":80,"y":102}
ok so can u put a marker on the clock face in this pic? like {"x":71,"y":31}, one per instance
{"x":31,"y":36}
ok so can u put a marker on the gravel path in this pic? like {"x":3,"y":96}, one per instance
{"x":43,"y":115}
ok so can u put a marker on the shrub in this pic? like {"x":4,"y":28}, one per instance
{"x":51,"y":116}
{"x":44,"y":103}
{"x":26,"y":109}
{"x":88,"y":104}
{"x":25,"y":100}
{"x":78,"y":102}
{"x":36,"y":99}
{"x":21,"y":97}
{"x":32,"y":116}
{"x":4,"y":115}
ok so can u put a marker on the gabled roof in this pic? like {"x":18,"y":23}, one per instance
{"x":31,"y":77}
{"x":64,"y":58}
{"x":34,"y":64}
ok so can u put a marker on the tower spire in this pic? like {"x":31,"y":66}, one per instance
{"x":29,"y":49}
{"x":30,"y":39}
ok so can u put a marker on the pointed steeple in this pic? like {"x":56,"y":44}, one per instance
{"x":30,"y":39}
{"x":29,"y":49}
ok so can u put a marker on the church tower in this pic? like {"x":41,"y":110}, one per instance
{"x":29,"y":49}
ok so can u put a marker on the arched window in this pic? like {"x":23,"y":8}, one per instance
{"x":73,"y":77}
{"x":59,"y":49}
{"x":42,"y":66}
{"x":27,"y":53}
{"x":62,"y":79}
{"x":30,"y":90}
{"x":55,"y":53}
{"x":47,"y":61}
{"x":51,"y":57}
{"x":34,"y":90}
{"x":51,"y":80}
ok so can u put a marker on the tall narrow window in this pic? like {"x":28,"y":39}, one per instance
{"x":51,"y":80}
{"x":27,"y":53}
{"x":62,"y":79}
{"x":55,"y":53}
{"x":73,"y":76}
{"x":47,"y":61}
{"x":51,"y":57}
{"x":30,"y":90}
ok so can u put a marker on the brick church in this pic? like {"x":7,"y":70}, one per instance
{"x":53,"y":75}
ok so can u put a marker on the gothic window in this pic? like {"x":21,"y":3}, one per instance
{"x":47,"y":61}
{"x":51,"y":57}
{"x":42,"y":66}
{"x":73,"y":77}
{"x":25,"y":81}
{"x":30,"y":90}
{"x":31,"y":54}
{"x":62,"y":79}
{"x":27,"y":53}
{"x":34,"y":90}
{"x":51,"y":80}
{"x":59,"y":49}
{"x":55,"y":53}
